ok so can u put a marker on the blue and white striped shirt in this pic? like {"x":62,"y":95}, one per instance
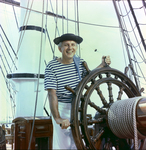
{"x":58,"y":75}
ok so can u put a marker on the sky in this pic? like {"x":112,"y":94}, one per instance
{"x":98,"y":26}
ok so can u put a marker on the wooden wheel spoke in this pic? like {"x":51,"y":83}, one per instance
{"x":102,"y":111}
{"x":97,"y":121}
{"x":111,"y":100}
{"x":98,"y":135}
{"x":100,"y":76}
{"x":89,"y":116}
{"x":79,"y":109}
{"x":70,"y":89}
{"x":116,"y":77}
{"x":102,"y":97}
{"x":86,"y":67}
{"x":82,"y":136}
{"x":120,"y":93}
{"x":108,"y":74}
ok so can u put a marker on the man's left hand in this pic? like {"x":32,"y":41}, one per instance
{"x":106,"y":60}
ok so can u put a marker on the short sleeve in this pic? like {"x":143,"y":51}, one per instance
{"x":50,"y":81}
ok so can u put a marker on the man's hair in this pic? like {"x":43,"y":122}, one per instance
{"x":60,"y":44}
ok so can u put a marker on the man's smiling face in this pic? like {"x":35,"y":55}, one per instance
{"x":68,"y":49}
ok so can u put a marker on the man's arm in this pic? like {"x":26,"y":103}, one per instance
{"x":53,"y":101}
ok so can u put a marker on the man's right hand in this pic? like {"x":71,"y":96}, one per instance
{"x":64,"y":123}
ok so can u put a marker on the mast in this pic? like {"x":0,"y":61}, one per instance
{"x":126,"y":45}
{"x":28,"y":78}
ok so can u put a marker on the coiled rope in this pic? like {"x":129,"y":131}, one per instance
{"x":122,"y":119}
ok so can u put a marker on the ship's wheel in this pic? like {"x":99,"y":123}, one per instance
{"x":92,"y":99}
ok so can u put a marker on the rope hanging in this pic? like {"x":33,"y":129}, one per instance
{"x":67,"y":16}
{"x":8,"y":51}
{"x":62,"y":18}
{"x":124,"y":5}
{"x":22,"y":33}
{"x":5,"y":58}
{"x":24,"y":22}
{"x":75,"y":16}
{"x":130,"y":47}
{"x":55,"y":18}
{"x":122,"y":119}
{"x":40,"y":57}
{"x":15,"y":17}
{"x":78,"y":25}
{"x":56,"y":21}
{"x":7,"y":40}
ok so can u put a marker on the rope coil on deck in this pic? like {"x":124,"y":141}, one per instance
{"x":122,"y":119}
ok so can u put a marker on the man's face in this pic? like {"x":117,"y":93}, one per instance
{"x":68,"y":49}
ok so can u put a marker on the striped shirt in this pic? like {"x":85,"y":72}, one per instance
{"x":58,"y":75}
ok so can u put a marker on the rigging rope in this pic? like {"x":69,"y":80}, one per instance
{"x":15,"y":16}
{"x":122,"y":119}
{"x":125,"y":41}
{"x":52,"y":52}
{"x":5,"y":58}
{"x":8,"y":88}
{"x":46,"y":15}
{"x":139,"y":62}
{"x":138,"y":44}
{"x":67,"y":16}
{"x":8,"y":51}
{"x":129,"y":20}
{"x":131,"y":45}
{"x":131,"y":27}
{"x":75,"y":16}
{"x":4,"y":64}
{"x":86,"y":23}
{"x":136,"y":68}
{"x":78,"y":27}
{"x":55,"y":18}
{"x":127,"y":13}
{"x":139,"y":7}
{"x":48,"y":34}
{"x":138,"y":28}
{"x":22,"y":33}
{"x":56,"y":28}
{"x":141,"y":72}
{"x":123,"y":49}
{"x":144,"y":4}
{"x":40,"y":58}
{"x":7,"y":40}
{"x":50,"y":44}
{"x":131,"y":30}
{"x":2,"y":72}
{"x":92,"y":24}
{"x":62,"y":18}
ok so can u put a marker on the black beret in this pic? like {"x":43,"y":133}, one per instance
{"x":68,"y":36}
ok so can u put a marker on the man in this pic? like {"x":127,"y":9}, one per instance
{"x":67,"y":70}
